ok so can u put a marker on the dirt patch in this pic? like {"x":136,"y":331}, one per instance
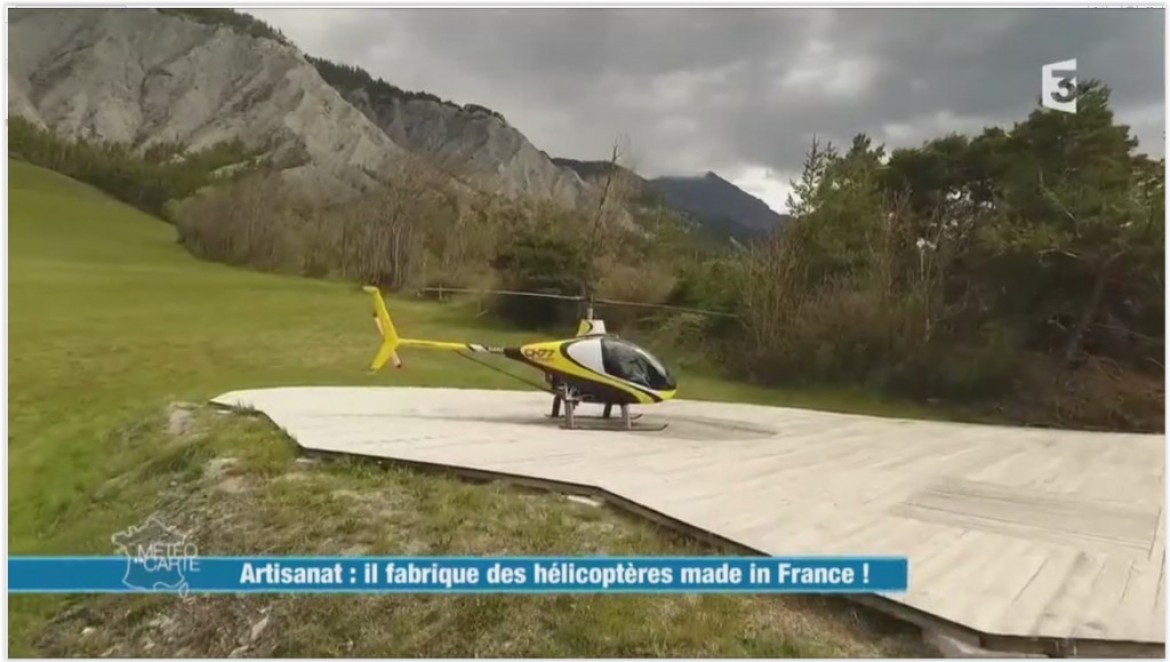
{"x":180,"y":419}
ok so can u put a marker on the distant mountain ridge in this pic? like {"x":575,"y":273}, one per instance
{"x":718,"y":206}
{"x":719,"y":203}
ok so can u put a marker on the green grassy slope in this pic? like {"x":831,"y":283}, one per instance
{"x":110,"y":320}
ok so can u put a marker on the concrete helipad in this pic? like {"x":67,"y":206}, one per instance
{"x":1041,"y":537}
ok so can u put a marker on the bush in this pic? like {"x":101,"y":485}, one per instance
{"x":376,"y":239}
{"x":1098,"y":394}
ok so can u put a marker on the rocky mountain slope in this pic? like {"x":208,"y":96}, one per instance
{"x":197,"y":78}
{"x":139,"y":77}
{"x":622,"y":182}
{"x":145,"y":77}
{"x":471,"y":142}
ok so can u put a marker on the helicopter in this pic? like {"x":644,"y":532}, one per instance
{"x":593,"y":366}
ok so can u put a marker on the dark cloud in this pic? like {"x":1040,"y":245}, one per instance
{"x":742,"y":91}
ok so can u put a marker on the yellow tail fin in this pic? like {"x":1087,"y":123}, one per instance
{"x":389,"y":335}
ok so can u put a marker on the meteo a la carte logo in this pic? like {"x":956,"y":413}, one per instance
{"x":1058,"y":86}
{"x":158,"y":557}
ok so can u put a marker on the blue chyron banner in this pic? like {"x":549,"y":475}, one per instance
{"x":172,"y":571}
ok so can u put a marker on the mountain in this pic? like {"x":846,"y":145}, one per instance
{"x":718,"y":204}
{"x":195,"y":78}
{"x":472,"y":142}
{"x":199,"y":77}
{"x":618,"y":180}
{"x":141,"y":77}
{"x":721,"y":209}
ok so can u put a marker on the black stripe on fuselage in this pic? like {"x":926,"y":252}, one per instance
{"x":593,"y":391}
{"x":564,"y":350}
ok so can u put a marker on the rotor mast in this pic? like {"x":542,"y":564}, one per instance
{"x":587,"y":299}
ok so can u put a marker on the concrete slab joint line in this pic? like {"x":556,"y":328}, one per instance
{"x":1045,"y":542}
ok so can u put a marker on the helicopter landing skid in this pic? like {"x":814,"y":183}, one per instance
{"x":598,"y":424}
{"x":599,"y":417}
{"x":558,"y":400}
{"x":570,"y":419}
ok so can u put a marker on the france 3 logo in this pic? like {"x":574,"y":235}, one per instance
{"x":1058,"y":89}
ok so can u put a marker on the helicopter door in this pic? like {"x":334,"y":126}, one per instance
{"x":627,"y":361}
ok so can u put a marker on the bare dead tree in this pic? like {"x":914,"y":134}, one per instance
{"x":415,"y":199}
{"x":616,"y":190}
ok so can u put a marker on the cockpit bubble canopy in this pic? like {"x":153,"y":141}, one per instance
{"x":625,"y":360}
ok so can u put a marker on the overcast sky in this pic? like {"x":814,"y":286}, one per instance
{"x":742,"y":91}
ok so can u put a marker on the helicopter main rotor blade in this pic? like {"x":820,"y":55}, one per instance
{"x":570,"y":297}
{"x":663,"y":306}
{"x":542,"y":295}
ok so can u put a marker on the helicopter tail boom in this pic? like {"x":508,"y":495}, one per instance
{"x":391,"y":341}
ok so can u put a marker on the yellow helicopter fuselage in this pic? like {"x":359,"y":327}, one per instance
{"x":598,"y":367}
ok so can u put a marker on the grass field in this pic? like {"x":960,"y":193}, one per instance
{"x":110,"y":322}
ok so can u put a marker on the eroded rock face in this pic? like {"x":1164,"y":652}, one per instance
{"x":478,"y":146}
{"x":141,"y":77}
{"x":144,"y":78}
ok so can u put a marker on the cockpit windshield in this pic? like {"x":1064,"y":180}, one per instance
{"x":627,"y":361}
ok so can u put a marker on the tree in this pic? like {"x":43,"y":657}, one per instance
{"x":1075,"y":224}
{"x":541,"y":262}
{"x":616,"y":191}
